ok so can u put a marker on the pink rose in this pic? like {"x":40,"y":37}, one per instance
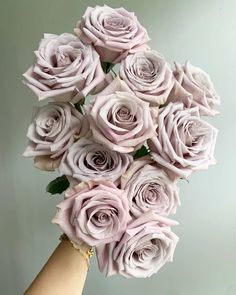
{"x":185,"y":143}
{"x":193,"y":87}
{"x":53,"y":129}
{"x":148,"y":187}
{"x":94,"y":212}
{"x":147,"y":244}
{"x":113,"y":32}
{"x":120,"y":120}
{"x":65,"y":69}
{"x":148,"y":75}
{"x":86,"y":160}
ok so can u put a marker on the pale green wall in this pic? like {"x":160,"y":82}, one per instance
{"x":202,"y":31}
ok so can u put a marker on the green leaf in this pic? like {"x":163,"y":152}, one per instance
{"x":106,"y":66}
{"x":79,"y":105}
{"x":58,"y":185}
{"x":143,"y":151}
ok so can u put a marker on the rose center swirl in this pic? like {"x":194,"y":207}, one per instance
{"x":99,"y":161}
{"x":192,"y":134}
{"x":64,"y":56}
{"x":145,"y":69}
{"x":115,"y":23}
{"x":151,"y":195}
{"x":146,"y":252}
{"x":47,"y":123}
{"x":122,"y":116}
{"x":102,"y":217}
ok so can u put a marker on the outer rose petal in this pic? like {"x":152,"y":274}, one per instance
{"x":46,"y":163}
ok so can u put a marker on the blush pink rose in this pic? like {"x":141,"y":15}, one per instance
{"x":148,"y":75}
{"x":185,"y":143}
{"x":120,"y":120}
{"x":147,"y":245}
{"x":193,"y":87}
{"x":94,"y":212}
{"x":65,"y":69}
{"x":148,"y":187}
{"x":53,"y":129}
{"x":87,"y":159}
{"x":113,"y":32}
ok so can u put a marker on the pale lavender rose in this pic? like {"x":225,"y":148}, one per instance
{"x":194,"y":87}
{"x":52,"y":131}
{"x":148,"y":75}
{"x":147,"y":245}
{"x":66,"y":69}
{"x":120,"y":120}
{"x":87,"y":159}
{"x":113,"y":32}
{"x":148,"y":187}
{"x":185,"y":143}
{"x":94,"y":212}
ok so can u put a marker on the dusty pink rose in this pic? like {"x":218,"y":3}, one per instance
{"x":147,"y":244}
{"x":87,"y":159}
{"x":65,"y":69}
{"x":53,"y":129}
{"x":113,"y":32}
{"x":194,"y":87}
{"x":148,"y":187}
{"x":120,"y":120}
{"x":185,"y":143}
{"x":148,"y":75}
{"x":94,"y":212}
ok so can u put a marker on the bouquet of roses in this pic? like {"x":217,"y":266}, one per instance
{"x":121,"y":129}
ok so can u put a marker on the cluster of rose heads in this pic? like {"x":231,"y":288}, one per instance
{"x":121,"y":129}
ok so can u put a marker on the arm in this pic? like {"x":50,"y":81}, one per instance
{"x":64,"y":273}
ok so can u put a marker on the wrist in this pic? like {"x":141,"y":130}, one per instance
{"x":83,"y":248}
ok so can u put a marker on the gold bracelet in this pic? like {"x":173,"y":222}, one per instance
{"x":87,"y":254}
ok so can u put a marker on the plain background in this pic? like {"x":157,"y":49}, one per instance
{"x":203,"y":32}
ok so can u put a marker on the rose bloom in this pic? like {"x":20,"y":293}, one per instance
{"x":148,"y":75}
{"x":120,"y":120}
{"x":86,"y":160}
{"x":185,"y":143}
{"x":193,"y":87}
{"x":53,"y":129}
{"x":113,"y":32}
{"x":65,"y":69}
{"x":94,"y":212}
{"x":148,"y":187}
{"x":147,"y":244}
